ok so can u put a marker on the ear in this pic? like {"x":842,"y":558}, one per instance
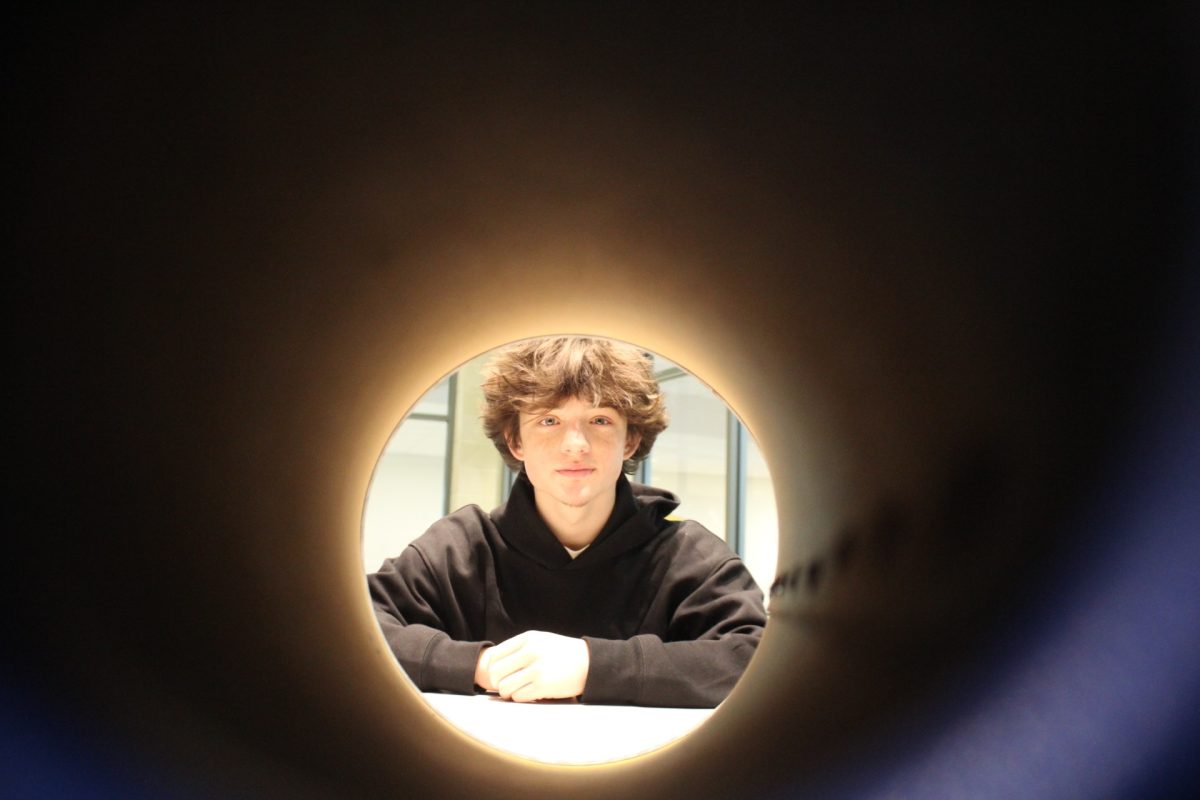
{"x":631,"y":443}
{"x":514,"y":447}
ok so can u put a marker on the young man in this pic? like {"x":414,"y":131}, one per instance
{"x":579,"y":586}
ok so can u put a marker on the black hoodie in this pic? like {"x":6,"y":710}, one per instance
{"x":670,"y":615}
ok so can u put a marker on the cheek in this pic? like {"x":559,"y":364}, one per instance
{"x":619,"y":443}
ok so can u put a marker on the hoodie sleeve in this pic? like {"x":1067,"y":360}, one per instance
{"x":407,"y":602}
{"x":712,"y":635}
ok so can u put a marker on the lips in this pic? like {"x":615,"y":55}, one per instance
{"x":575,"y":472}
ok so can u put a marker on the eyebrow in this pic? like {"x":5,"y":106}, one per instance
{"x":556,"y":410}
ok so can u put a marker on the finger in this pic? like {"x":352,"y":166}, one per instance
{"x":509,"y":646}
{"x":515,"y":683}
{"x":500,"y":668}
{"x":529,"y":693}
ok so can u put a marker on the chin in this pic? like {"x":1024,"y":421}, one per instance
{"x":578,"y":500}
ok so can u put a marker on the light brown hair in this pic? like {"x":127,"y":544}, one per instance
{"x":538,"y":374}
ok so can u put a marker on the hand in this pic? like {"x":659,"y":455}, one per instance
{"x":536,"y":665}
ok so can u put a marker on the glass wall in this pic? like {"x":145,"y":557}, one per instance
{"x":709,"y":459}
{"x":759,"y":544}
{"x":690,"y":456}
{"x":408,"y":490}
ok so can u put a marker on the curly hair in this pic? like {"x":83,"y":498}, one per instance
{"x":537,"y":374}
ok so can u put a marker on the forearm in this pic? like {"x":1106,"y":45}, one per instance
{"x":646,"y":671}
{"x":432,"y":660}
{"x":426,"y":637}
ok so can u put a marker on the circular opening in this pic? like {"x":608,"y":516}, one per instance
{"x":439,"y":468}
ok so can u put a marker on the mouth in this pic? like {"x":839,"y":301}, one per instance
{"x":575,"y":472}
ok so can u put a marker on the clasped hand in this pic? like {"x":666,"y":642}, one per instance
{"x":534,"y":665}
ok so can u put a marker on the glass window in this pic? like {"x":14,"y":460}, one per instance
{"x":760,"y":533}
{"x":407,"y":492}
{"x":692,"y":458}
{"x":689,"y":457}
{"x":435,"y":401}
{"x":662,"y":365}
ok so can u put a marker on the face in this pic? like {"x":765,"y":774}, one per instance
{"x":573,"y":453}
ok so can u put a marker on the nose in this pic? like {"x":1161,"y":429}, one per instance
{"x":574,"y":440}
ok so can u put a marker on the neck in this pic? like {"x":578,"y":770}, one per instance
{"x":575,"y":526}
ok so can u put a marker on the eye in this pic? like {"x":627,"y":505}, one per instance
{"x":546,"y":422}
{"x":602,"y":421}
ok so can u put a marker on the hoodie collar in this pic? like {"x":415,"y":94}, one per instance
{"x":637,"y":515}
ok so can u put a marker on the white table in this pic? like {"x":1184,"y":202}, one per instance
{"x":564,"y":731}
